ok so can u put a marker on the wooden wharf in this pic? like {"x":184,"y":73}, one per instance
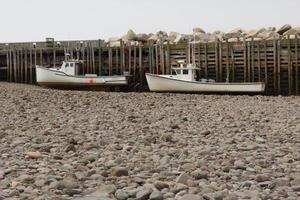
{"x":276,"y":61}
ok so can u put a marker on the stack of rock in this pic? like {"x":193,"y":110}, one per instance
{"x":200,"y":36}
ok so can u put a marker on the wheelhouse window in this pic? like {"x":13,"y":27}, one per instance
{"x":185,"y":71}
{"x":71,"y":65}
{"x":67,"y":65}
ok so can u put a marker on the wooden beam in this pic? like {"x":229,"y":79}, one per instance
{"x":134,"y":63}
{"x":167,"y":53}
{"x":206,"y":60}
{"x":227,"y":62}
{"x":297,"y":64}
{"x":129,"y":59}
{"x":109,"y":60}
{"x":275,"y":66}
{"x":141,"y":67}
{"x":266,"y":62}
{"x":156,"y":59}
{"x":232,"y":64}
{"x":30,"y":65}
{"x":100,"y":58}
{"x":245,"y":60}
{"x":221,"y":62}
{"x":259,"y":61}
{"x":26,"y":66}
{"x":279,"y":68}
{"x":217,"y":60}
{"x":290,"y":81}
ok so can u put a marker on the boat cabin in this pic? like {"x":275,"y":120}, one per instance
{"x":72,"y":68}
{"x":187,"y":73}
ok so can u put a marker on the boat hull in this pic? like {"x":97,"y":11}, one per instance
{"x":159,"y":83}
{"x":57,"y":79}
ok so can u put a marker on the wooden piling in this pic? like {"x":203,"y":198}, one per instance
{"x":206,"y":60}
{"x":290,"y":81}
{"x":30,"y":65}
{"x":278,"y":67}
{"x":297,"y":65}
{"x":245,"y":60}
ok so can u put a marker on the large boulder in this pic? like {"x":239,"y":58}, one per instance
{"x":153,"y":38}
{"x":266,"y":35}
{"x":142,"y":37}
{"x":114,"y":42}
{"x":198,"y":30}
{"x":181,"y":38}
{"x":172,"y":36}
{"x":284,"y":29}
{"x":292,"y":31}
{"x":235,"y":33}
{"x":131,"y":36}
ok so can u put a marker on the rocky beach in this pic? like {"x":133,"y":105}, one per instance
{"x":81,"y":145}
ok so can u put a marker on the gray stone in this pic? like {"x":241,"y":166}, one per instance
{"x":156,"y":195}
{"x":121,"y":195}
{"x":262,"y":178}
{"x":191,"y":197}
{"x":119,"y":171}
{"x":161,"y":185}
{"x":183,"y":178}
{"x":144,"y":194}
{"x":199,"y":174}
{"x":92,"y":198}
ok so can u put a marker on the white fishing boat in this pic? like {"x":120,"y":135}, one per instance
{"x":71,"y":74}
{"x":184,"y":81}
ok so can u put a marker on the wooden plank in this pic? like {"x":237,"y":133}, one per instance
{"x":54,"y":56}
{"x":153,"y":59}
{"x":134,"y":62}
{"x":30,"y":65}
{"x":279,"y":67}
{"x":26,"y":66}
{"x":265,"y":61}
{"x":109,"y":60}
{"x":35,"y":57}
{"x":217,"y":60}
{"x":129,"y":59}
{"x":10,"y":65}
{"x":167,"y":53}
{"x":227,"y":62}
{"x":297,"y":65}
{"x":84,"y":59}
{"x":232,"y":64}
{"x":275,"y":66}
{"x":117,"y":62}
{"x":93,"y":60}
{"x":15,"y":66}
{"x":206,"y":61}
{"x":259,"y":61}
{"x":290,"y":81}
{"x":199,"y":59}
{"x":41,"y":57}
{"x":150,"y":58}
{"x":141,"y":70}
{"x":220,"y":62}
{"x":100,"y":59}
{"x":252,"y":59}
{"x":122,"y":57}
{"x":156,"y":59}
{"x":7,"y":65}
{"x":162,"y":59}
{"x":245,"y":60}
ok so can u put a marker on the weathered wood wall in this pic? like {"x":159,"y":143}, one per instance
{"x":275,"y":62}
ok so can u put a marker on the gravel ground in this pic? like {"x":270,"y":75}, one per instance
{"x":100,"y":146}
